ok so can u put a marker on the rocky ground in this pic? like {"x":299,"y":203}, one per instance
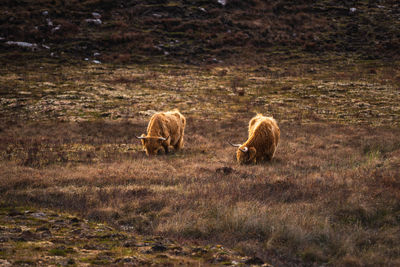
{"x":33,"y":237}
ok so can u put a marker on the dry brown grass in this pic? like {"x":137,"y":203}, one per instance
{"x":331,"y":195}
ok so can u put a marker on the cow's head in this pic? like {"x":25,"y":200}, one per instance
{"x":153,"y":145}
{"x":245,"y":154}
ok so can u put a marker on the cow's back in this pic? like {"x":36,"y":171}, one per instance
{"x":265,"y":134}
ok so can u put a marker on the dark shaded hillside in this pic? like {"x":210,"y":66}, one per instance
{"x":198,"y":31}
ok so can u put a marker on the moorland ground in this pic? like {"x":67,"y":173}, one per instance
{"x":330,"y":196}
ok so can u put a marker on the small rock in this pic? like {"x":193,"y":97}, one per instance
{"x":33,"y":47}
{"x":96,"y":15}
{"x":49,"y":22}
{"x":57,"y":28}
{"x":222,"y":2}
{"x":94,"y":21}
{"x":38,"y":214}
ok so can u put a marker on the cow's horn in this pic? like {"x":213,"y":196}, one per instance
{"x":163,"y":138}
{"x":140,"y":137}
{"x":244,"y":150}
{"x":235,"y":145}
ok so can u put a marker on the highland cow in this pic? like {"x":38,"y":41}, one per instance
{"x":263,"y":140}
{"x":164,"y":132}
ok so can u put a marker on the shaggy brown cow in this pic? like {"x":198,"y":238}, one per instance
{"x":263,"y":140}
{"x":165,"y":130}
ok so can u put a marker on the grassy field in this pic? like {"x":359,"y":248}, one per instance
{"x":330,"y":196}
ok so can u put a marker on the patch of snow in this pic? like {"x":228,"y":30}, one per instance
{"x":94,"y":21}
{"x":45,"y":13}
{"x":96,"y":61}
{"x":96,"y":15}
{"x":2,"y":38}
{"x":203,"y":9}
{"x":166,"y":53}
{"x":222,"y":2}
{"x":45,"y":46}
{"x":96,"y":54}
{"x":353,"y":9}
{"x":86,"y":59}
{"x":157,"y":15}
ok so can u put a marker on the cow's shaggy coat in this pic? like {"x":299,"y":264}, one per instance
{"x":164,"y":131}
{"x":263,"y":140}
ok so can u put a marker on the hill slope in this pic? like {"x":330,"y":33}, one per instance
{"x":198,"y":31}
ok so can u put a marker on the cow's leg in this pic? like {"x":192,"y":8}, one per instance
{"x":179,"y":144}
{"x":166,"y":148}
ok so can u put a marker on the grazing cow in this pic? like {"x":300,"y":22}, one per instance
{"x":263,"y":140}
{"x":165,"y":130}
